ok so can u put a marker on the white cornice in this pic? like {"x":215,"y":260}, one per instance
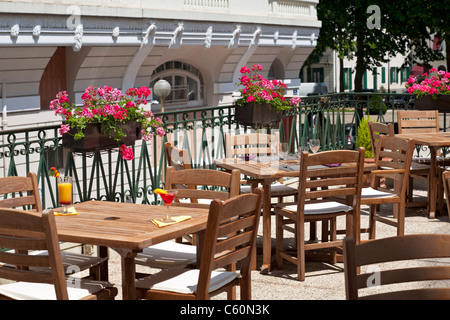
{"x":33,"y":30}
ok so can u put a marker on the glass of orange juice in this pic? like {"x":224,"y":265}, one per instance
{"x":65,"y":192}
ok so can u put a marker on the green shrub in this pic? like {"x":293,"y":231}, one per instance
{"x":363,"y":137}
{"x":375,"y":104}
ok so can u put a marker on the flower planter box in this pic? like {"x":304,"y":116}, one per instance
{"x":257,"y":115}
{"x":95,"y":140}
{"x":442,"y":103}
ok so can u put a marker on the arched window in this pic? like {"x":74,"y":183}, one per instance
{"x":186,"y":82}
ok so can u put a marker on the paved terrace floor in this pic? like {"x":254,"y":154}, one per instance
{"x":323,"y":281}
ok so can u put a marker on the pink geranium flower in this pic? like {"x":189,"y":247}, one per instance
{"x":109,"y":107}
{"x":126,"y":152}
{"x":256,"y":89}
{"x":434,"y":83}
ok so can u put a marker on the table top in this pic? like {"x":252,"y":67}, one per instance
{"x":261,"y":169}
{"x":270,"y":170}
{"x":126,"y":225}
{"x":433,"y":139}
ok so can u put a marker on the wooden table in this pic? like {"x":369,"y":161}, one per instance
{"x":126,"y":227}
{"x":265,"y":173}
{"x":434,"y":141}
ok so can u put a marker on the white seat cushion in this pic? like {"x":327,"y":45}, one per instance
{"x":76,"y":288}
{"x":276,"y":190}
{"x":372,"y":193}
{"x":168,"y":253}
{"x":201,"y":201}
{"x":72,"y":262}
{"x":321,"y":207}
{"x":186,"y":282}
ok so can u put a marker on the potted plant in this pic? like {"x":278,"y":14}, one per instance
{"x":432,"y":90}
{"x":106,"y":119}
{"x":261,"y":101}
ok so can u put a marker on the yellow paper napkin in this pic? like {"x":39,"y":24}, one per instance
{"x":176,"y":219}
{"x":71,"y":212}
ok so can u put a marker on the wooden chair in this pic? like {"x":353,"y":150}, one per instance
{"x":177,"y":158}
{"x":423,"y":121}
{"x":24,"y":192}
{"x":170,"y":253}
{"x":446,"y":182}
{"x":23,"y":231}
{"x":257,"y":144}
{"x":318,"y":183}
{"x":393,"y":161}
{"x":230,"y":236}
{"x":417,"y":170}
{"x":389,"y":280}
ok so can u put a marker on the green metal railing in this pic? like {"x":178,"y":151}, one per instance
{"x":105,"y":176}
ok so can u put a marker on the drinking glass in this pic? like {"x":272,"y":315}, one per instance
{"x":284,"y":150}
{"x":168,"y":199}
{"x":301,"y":149}
{"x":314,"y":145}
{"x":65,"y":192}
{"x":273,"y":150}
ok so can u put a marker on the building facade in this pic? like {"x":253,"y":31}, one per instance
{"x":198,"y":46}
{"x":388,"y":77}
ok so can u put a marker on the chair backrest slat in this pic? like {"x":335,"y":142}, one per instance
{"x":20,"y":192}
{"x":396,"y":154}
{"x":405,"y":248}
{"x":22,"y":231}
{"x":326,"y":182}
{"x":204,"y":184}
{"x":423,"y":121}
{"x":230,"y":236}
{"x":177,"y":158}
{"x":253,"y":143}
{"x":377,"y":129}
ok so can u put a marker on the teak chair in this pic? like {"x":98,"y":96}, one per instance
{"x":230,"y":236}
{"x":170,"y":253}
{"x":420,"y":121}
{"x":257,"y":144}
{"x":389,"y":279}
{"x":417,"y":170}
{"x":423,"y":121}
{"x":318,"y":183}
{"x":23,"y":231}
{"x":177,"y":158}
{"x":24,"y":192}
{"x":393,"y":161}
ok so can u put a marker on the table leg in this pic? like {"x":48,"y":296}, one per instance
{"x":128,"y":273}
{"x":267,"y":229}
{"x":432,"y":186}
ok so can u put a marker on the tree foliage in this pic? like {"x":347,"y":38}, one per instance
{"x":373,"y":31}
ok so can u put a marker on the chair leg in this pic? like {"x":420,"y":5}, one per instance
{"x":401,"y":220}
{"x":279,"y":241}
{"x":333,"y":237}
{"x":246,"y":287}
{"x":231,"y":293}
{"x":372,"y":222}
{"x":301,"y":250}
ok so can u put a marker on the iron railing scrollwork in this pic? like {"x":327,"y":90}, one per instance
{"x":105,"y":176}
